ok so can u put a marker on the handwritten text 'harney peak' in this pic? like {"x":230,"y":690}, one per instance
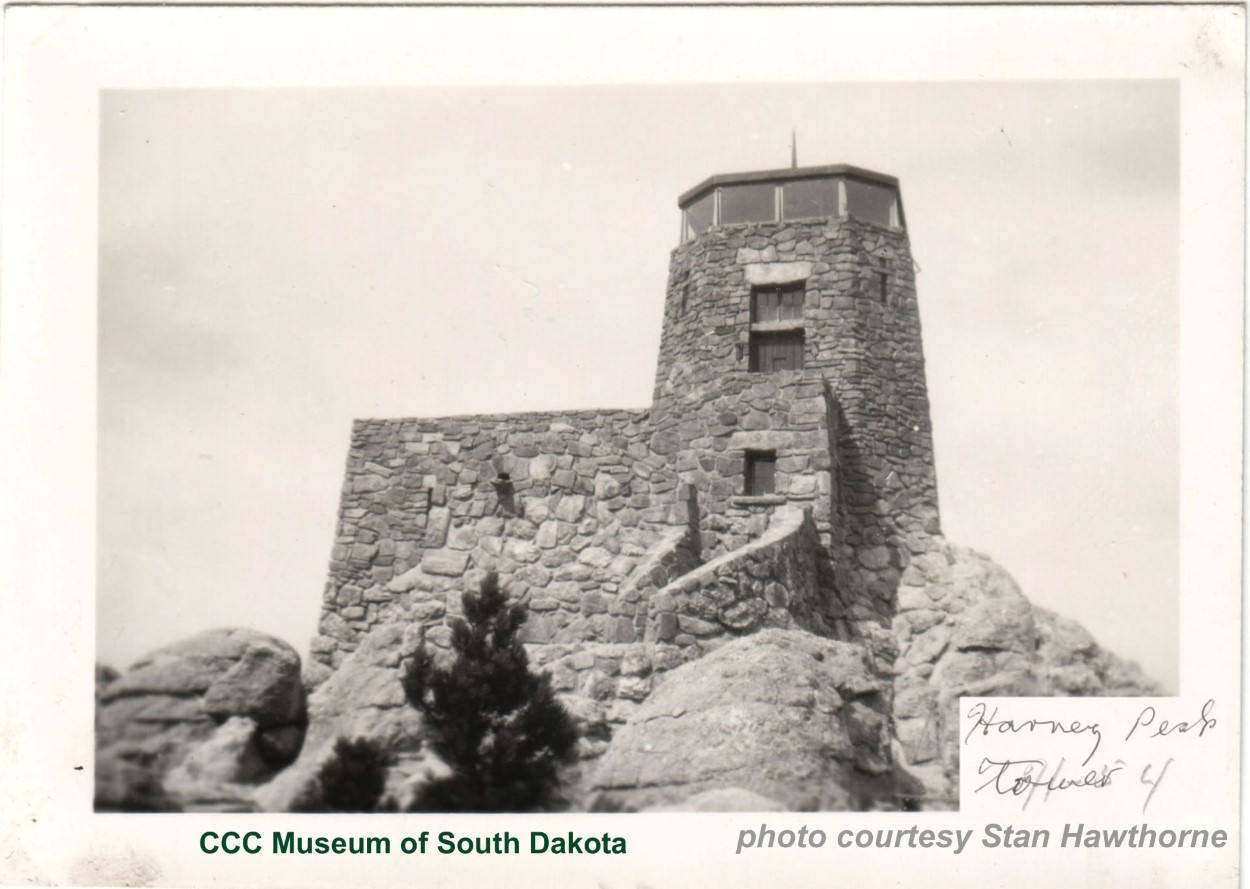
{"x":1023,"y":777}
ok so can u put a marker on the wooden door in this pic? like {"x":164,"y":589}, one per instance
{"x":781,"y":350}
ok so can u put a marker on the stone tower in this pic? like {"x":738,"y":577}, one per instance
{"x":783,"y":475}
{"x":791,"y":371}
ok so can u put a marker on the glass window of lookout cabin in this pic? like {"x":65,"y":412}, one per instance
{"x":872,"y":203}
{"x":699,"y":215}
{"x":748,"y":203}
{"x":804,"y":198}
{"x":793,"y":199}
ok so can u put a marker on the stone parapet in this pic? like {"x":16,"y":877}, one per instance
{"x":772,"y":581}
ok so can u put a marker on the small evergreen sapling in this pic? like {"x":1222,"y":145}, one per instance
{"x":353,"y":778}
{"x":497,"y":726}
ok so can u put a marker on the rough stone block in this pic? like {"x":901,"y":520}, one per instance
{"x":594,"y":603}
{"x":322,"y":645}
{"x":445,"y":562}
{"x":913,"y":597}
{"x":698,"y":627}
{"x":623,"y":630}
{"x":606,"y":487}
{"x":874,"y":557}
{"x":428,"y":610}
{"x":666,"y":626}
{"x":521,"y":550}
{"x":914,"y":700}
{"x":928,"y":646}
{"x":462,"y":537}
{"x":749,"y":255}
{"x":766,"y":273}
{"x":634,"y":688}
{"x":743,"y":615}
{"x":595,"y":556}
{"x":548,"y":534}
{"x":437,"y":523}
{"x":542,"y":467}
{"x":368,"y":483}
{"x":598,"y":687}
{"x":801,"y":486}
{"x":571,"y":508}
{"x":918,"y":738}
{"x":536,"y":629}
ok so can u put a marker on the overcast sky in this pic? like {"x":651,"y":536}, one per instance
{"x":276,"y":263}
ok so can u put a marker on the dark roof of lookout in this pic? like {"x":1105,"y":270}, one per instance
{"x":782,"y":175}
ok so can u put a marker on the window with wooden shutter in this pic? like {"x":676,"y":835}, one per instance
{"x":777,"y":327}
{"x":776,"y":350}
{"x":761,"y":473}
{"x":773,"y":304}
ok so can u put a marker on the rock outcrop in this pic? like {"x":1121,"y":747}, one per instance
{"x":784,"y":714}
{"x":767,"y":718}
{"x":193,"y":724}
{"x":964,"y":628}
{"x":362,"y":699}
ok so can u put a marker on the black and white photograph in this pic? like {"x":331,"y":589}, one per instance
{"x":738,"y":576}
{"x":544,"y":460}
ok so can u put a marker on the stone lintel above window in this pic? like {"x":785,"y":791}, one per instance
{"x":763,"y":274}
{"x":788,"y":324}
{"x":762,"y":500}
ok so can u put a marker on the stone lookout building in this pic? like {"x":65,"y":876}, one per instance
{"x":778,"y":479}
{"x":741,"y":589}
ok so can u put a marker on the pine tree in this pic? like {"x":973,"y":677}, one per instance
{"x":497,"y":725}
{"x":353,"y":777}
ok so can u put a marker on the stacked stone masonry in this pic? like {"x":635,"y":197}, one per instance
{"x":636,"y":543}
{"x":566,"y":506}
{"x":740,"y":593}
{"x":563,"y":506}
{"x":630,"y":535}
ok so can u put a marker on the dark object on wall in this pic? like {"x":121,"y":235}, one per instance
{"x":504,"y":494}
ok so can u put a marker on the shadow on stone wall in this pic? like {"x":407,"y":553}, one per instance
{"x":868,"y":553}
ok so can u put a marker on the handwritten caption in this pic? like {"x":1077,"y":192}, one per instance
{"x":1026,"y":750}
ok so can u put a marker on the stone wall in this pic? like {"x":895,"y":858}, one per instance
{"x":425,"y":513}
{"x":594,"y":533}
{"x":772,"y":581}
{"x":707,"y":432}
